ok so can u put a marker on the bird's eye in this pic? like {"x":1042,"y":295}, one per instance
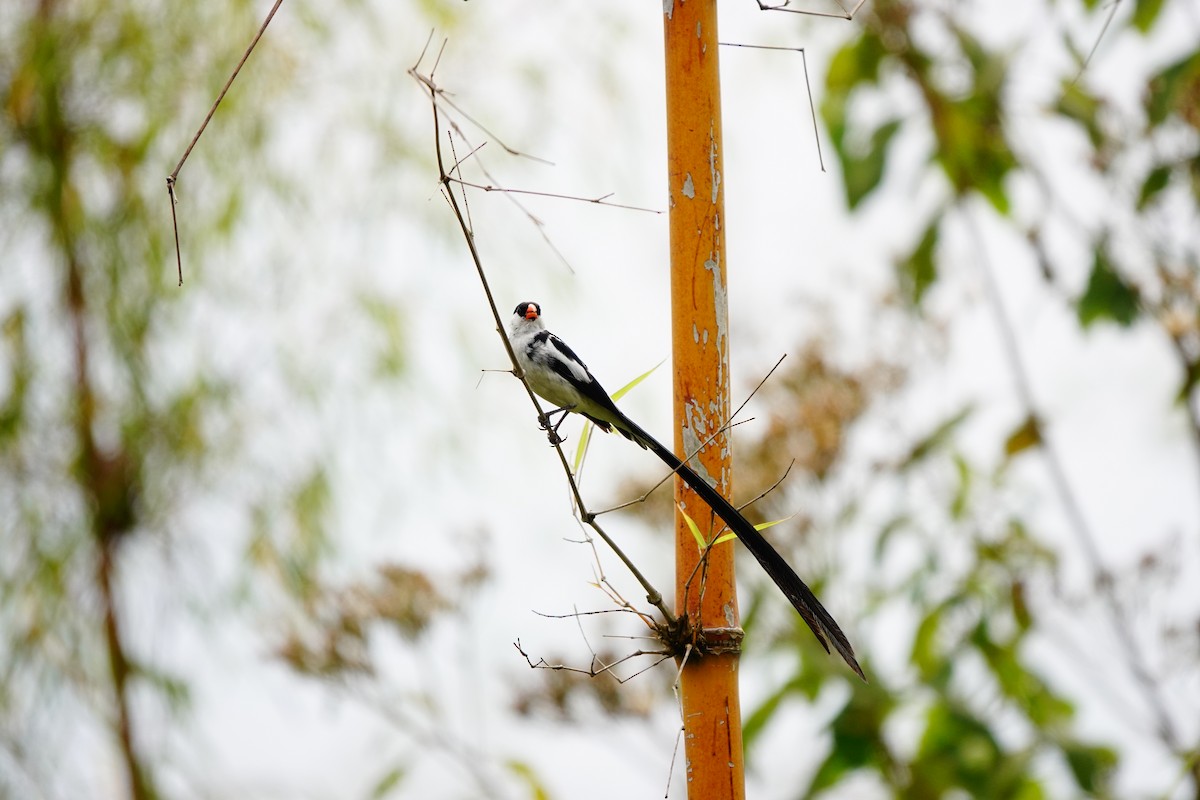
{"x":520,"y":309}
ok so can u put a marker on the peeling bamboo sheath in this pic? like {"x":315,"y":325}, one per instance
{"x":711,"y":709}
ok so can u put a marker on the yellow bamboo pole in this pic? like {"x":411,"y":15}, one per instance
{"x":700,"y":332}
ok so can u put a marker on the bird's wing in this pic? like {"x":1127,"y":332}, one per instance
{"x":563,"y":359}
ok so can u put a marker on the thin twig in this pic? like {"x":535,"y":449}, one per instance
{"x":466,"y":205}
{"x":535,"y":221}
{"x":727,"y":425}
{"x":175,"y":226}
{"x":687,"y":652}
{"x":174,"y":176}
{"x":653,"y":596}
{"x":697,"y":450}
{"x":574,"y":614}
{"x":770,"y":488}
{"x":600,"y":201}
{"x":812,"y":109}
{"x":847,"y":15}
{"x":458,"y":162}
{"x":1096,"y":45}
{"x":591,"y":671}
{"x":439,"y":96}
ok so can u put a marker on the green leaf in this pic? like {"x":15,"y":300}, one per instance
{"x":1091,"y":765}
{"x":1107,"y":296}
{"x":1155,"y":182}
{"x":962,"y":493}
{"x":933,"y":657}
{"x":1174,"y":90}
{"x":1028,"y":434}
{"x":756,"y":722}
{"x":1194,"y":174}
{"x":856,"y":63}
{"x":1145,"y":12}
{"x":1075,"y":103}
{"x":585,"y":435}
{"x":918,"y":272}
{"x":936,"y":439}
{"x":391,"y":360}
{"x":530,"y":777}
{"x":889,"y":530}
{"x":857,"y":738}
{"x":1020,"y":607}
{"x":971,"y":146}
{"x":853,"y":66}
{"x":1022,"y":685}
{"x":762,"y":526}
{"x":386,"y":784}
{"x":624,"y":390}
{"x":862,"y":172}
{"x":958,"y":750}
{"x":1191,"y":377}
{"x":694,"y":528}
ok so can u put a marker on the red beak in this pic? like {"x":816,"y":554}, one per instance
{"x":531,"y":312}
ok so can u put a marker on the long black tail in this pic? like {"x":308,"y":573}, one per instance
{"x":820,"y":621}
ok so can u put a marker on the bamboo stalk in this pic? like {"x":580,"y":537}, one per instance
{"x":699,"y":322}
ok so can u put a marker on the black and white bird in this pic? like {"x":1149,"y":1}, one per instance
{"x":557,"y":375}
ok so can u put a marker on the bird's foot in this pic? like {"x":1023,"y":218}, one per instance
{"x":544,"y":420}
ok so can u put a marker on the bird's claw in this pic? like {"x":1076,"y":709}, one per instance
{"x":552,"y":429}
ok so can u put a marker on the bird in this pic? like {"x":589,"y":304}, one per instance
{"x":557,"y":375}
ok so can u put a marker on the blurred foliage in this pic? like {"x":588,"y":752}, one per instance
{"x":107,"y":442}
{"x":979,"y":717}
{"x":116,"y":423}
{"x":968,"y":686}
{"x":95,"y":447}
{"x":330,"y":635}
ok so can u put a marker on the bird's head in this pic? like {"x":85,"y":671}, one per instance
{"x":526,"y":316}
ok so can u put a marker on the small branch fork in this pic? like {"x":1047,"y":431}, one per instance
{"x":847,"y":13}
{"x":174,"y":176}
{"x":437,"y":97}
{"x":598,"y":666}
{"x":675,"y":633}
{"x":812,"y":109}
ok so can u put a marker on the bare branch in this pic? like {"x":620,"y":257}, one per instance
{"x":653,"y":596}
{"x":174,"y":176}
{"x":812,"y":109}
{"x":592,"y":671}
{"x":784,"y":6}
{"x":600,"y":201}
{"x":1112,"y":12}
{"x":770,"y":488}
